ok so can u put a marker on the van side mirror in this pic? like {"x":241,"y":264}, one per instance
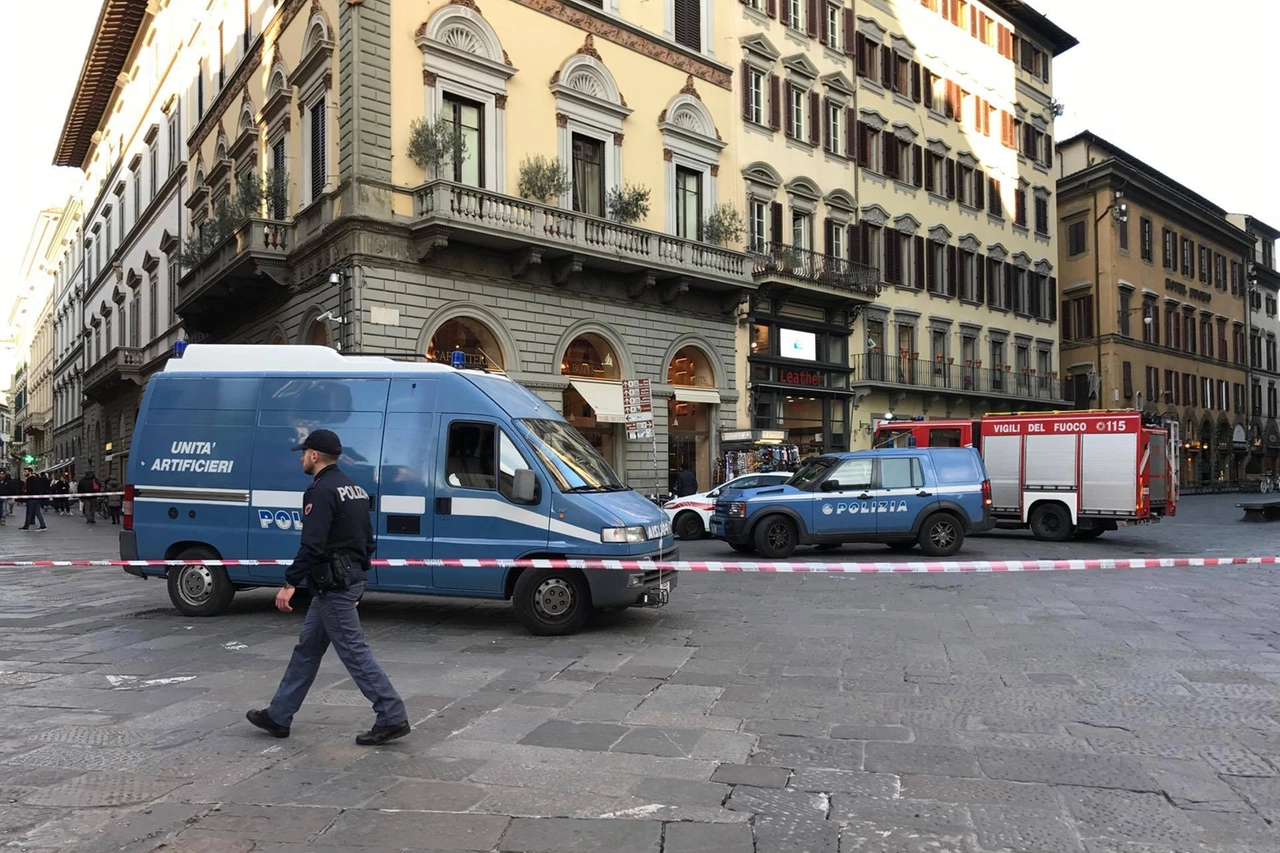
{"x":524,"y":487}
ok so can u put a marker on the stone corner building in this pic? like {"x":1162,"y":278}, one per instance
{"x":365,"y":251}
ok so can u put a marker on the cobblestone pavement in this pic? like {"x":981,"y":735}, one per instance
{"x":1133,"y":711}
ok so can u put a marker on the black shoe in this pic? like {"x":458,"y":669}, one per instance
{"x":263,"y":720}
{"x":379,"y":735}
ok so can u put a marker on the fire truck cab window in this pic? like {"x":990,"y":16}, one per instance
{"x":944,"y":438}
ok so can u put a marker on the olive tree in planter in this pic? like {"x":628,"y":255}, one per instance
{"x":435,"y":145}
{"x":252,"y":194}
{"x":543,"y":179}
{"x":723,"y":226}
{"x":628,"y":204}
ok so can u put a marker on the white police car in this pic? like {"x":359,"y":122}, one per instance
{"x":691,"y":515}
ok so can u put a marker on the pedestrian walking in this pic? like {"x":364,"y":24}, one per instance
{"x":8,"y":488}
{"x":114,"y":501}
{"x":88,"y":487}
{"x":337,"y":543}
{"x":61,"y":488}
{"x":34,"y":490}
{"x":686,"y":481}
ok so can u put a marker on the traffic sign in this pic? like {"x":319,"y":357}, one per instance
{"x":637,"y":409}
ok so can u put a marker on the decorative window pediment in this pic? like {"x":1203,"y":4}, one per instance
{"x":762,"y":174}
{"x":802,"y":65}
{"x":687,"y":122}
{"x":760,"y":45}
{"x":458,"y":37}
{"x":1042,"y":192}
{"x":940,"y":234}
{"x":871,"y":28}
{"x":838,"y":82}
{"x":964,"y":158}
{"x":150,"y":262}
{"x":1044,"y":267}
{"x":132,"y":280}
{"x":997,"y":252}
{"x":938,"y":147}
{"x":903,"y":46}
{"x":904,"y":131}
{"x":840,"y":199}
{"x":584,"y":85}
{"x":906,"y":224}
{"x":247,"y":141}
{"x":315,"y":71}
{"x":969,"y":243}
{"x":1022,"y":260}
{"x":873,"y":119}
{"x":805,"y":188}
{"x":279,"y":97}
{"x":874,"y":214}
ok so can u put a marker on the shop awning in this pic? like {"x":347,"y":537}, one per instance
{"x":61,"y":463}
{"x":685,"y":394}
{"x":604,"y":398}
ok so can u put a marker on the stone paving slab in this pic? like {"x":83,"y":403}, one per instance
{"x":1107,"y":712}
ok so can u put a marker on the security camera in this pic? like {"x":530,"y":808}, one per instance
{"x":328,"y":315}
{"x":335,"y":277}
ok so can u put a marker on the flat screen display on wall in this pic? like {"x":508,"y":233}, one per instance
{"x":802,"y":346}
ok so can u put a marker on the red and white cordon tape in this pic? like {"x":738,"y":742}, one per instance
{"x":53,"y":496}
{"x":740,"y":567}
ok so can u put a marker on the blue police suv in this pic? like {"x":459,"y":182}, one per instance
{"x":931,"y":497}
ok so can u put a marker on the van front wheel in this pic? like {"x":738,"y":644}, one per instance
{"x":198,"y":590}
{"x":551,"y":602}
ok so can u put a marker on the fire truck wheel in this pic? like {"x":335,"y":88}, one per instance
{"x":776,"y":537}
{"x":1051,"y":523}
{"x":941,"y":535}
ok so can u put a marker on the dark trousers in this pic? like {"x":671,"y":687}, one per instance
{"x":332,"y":618}
{"x":34,"y":513}
{"x":114,"y":511}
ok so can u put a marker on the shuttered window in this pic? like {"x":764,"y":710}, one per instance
{"x":277,"y":183}
{"x":688,"y":23}
{"x":318,"y":150}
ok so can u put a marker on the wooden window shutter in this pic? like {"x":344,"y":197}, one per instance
{"x":920,"y":262}
{"x":917,"y":165}
{"x":775,"y":223}
{"x":979,"y":189}
{"x":864,"y":236}
{"x":850,"y":133}
{"x":813,"y":18}
{"x":1127,"y":369}
{"x":864,"y":144}
{"x":928,"y":172}
{"x":888,"y":64}
{"x":973,"y":21}
{"x":1010,"y":291}
{"x":789,"y":107}
{"x":926,"y":87}
{"x":771,"y":8}
{"x":824,"y":32}
{"x":951,"y":178}
{"x":888,"y":144}
{"x":860,"y":55}
{"x":892,"y":256}
{"x":993,"y":283}
{"x":952,"y":274}
{"x":815,"y":118}
{"x":854,"y":235}
{"x":916,"y":94}
{"x":746,"y":91}
{"x":850,"y":29}
{"x":933,"y":264}
{"x":775,"y":102}
{"x":688,"y":23}
{"x":993,"y":197}
{"x":828,"y":236}
{"x":784,"y":13}
{"x":826,"y":125}
{"x":980,"y":277}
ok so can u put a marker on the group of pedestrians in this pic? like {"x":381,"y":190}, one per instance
{"x":37,"y":492}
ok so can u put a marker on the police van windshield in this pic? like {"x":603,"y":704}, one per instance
{"x":574,"y":463}
{"x":811,"y":472}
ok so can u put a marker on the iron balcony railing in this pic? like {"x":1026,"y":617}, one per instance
{"x":779,"y":260}
{"x":878,"y":368}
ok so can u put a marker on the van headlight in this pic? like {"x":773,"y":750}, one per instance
{"x":622,"y":535}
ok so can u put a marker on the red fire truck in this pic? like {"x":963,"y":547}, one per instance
{"x":1061,"y":473}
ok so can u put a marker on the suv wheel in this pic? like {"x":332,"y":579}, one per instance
{"x":776,"y":537}
{"x":1051,"y":523}
{"x":941,"y":535}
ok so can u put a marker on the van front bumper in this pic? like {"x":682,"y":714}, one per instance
{"x":616,"y":588}
{"x":129,"y":551}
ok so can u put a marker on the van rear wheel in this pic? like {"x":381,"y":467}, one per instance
{"x":551,"y":602}
{"x":1051,"y":523}
{"x":200,"y":590}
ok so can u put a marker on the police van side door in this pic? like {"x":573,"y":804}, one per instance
{"x":291,"y":407}
{"x":841,"y":506}
{"x":901,"y":495}
{"x":476,"y":513}
{"x":405,"y":520}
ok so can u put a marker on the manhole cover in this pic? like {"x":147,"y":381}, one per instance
{"x":89,"y":736}
{"x":103,"y":789}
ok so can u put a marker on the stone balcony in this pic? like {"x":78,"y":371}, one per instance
{"x":903,"y":373}
{"x":242,"y":272}
{"x":565,"y":241}
{"x":113,"y":373}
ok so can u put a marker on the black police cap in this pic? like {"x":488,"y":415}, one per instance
{"x":324,"y":441}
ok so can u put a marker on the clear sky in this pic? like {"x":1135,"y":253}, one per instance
{"x":1187,"y":87}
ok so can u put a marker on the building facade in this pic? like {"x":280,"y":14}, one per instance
{"x":68,"y":343}
{"x":1262,"y":277}
{"x":1153,"y":312}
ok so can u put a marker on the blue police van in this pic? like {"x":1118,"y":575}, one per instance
{"x":931,"y":497}
{"x":458,"y":464}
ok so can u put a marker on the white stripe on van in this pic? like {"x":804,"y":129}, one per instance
{"x":495,"y":508}
{"x":404,"y":504}
{"x":276,"y":500}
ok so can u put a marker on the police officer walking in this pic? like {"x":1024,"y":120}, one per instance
{"x":337,"y":542}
